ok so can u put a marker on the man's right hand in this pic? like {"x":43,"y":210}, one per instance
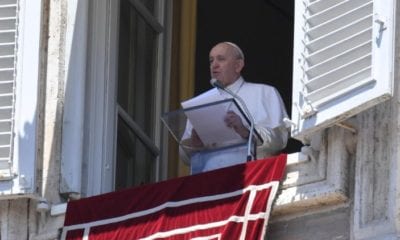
{"x":232,"y":120}
{"x":196,"y":141}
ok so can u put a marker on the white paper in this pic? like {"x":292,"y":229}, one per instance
{"x":208,"y":120}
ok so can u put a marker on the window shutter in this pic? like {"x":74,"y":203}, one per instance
{"x":342,"y":60}
{"x":19,"y":74}
{"x":8,"y":26}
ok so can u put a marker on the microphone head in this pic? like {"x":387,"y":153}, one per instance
{"x":215,"y":83}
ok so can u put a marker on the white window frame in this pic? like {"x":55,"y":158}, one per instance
{"x":74,"y":98}
{"x":100,"y":122}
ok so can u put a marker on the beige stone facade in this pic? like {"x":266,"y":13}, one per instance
{"x":346,"y":185}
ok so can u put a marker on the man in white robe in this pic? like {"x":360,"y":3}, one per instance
{"x":262,"y":101}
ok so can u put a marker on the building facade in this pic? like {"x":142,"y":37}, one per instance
{"x":84,"y":83}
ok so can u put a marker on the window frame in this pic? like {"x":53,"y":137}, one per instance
{"x":101,"y":123}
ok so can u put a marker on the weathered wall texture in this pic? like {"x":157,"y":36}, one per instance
{"x":15,"y":216}
{"x":332,"y":224}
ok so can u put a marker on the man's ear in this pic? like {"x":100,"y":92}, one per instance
{"x":239,"y":65}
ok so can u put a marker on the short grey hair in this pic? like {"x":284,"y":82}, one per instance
{"x":237,"y":50}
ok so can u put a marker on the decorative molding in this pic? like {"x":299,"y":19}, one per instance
{"x":318,"y":179}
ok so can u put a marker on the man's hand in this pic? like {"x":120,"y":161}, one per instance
{"x":232,"y":120}
{"x":196,"y":141}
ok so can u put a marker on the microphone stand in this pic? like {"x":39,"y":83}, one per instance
{"x":217,"y":84}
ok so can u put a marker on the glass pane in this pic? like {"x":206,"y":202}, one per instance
{"x":149,"y":4}
{"x":135,"y":163}
{"x":137,"y":67}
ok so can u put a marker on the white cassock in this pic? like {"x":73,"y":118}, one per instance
{"x":268,"y":111}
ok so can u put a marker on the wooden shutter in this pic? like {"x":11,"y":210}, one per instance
{"x":20,"y":22}
{"x":342,"y":61}
{"x":8,"y":36}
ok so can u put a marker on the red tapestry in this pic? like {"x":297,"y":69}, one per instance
{"x":228,"y":203}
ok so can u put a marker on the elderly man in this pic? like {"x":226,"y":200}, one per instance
{"x":263,"y":102}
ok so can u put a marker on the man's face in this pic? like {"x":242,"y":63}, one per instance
{"x":224,"y":64}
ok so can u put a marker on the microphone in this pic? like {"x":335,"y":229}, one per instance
{"x":215,"y":83}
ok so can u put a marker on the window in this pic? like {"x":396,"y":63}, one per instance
{"x":342,"y":61}
{"x":268,"y":48}
{"x":19,"y":73}
{"x":126,"y":94}
{"x":343,"y":64}
{"x":136,"y":96}
{"x":342,"y":58}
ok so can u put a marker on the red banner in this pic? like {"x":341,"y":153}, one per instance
{"x":228,"y":203}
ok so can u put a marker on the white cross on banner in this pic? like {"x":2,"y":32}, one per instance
{"x":228,"y":203}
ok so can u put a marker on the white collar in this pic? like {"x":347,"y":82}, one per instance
{"x":234,"y":87}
